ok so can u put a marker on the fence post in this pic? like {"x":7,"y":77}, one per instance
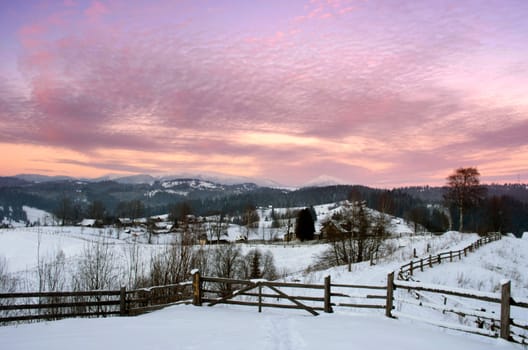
{"x":421,"y":265}
{"x":439,"y":258}
{"x":260,"y":297}
{"x":465,"y":251}
{"x":197,"y":288}
{"x":430,"y":261}
{"x":390,"y":294}
{"x":411,"y":268}
{"x":122,"y":301}
{"x":459,"y":255}
{"x":450,"y":256}
{"x":505,"y":310}
{"x":327,"y":295}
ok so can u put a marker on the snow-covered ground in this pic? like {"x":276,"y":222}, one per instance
{"x":219,"y":328}
{"x":230,"y":327}
{"x":22,"y":247}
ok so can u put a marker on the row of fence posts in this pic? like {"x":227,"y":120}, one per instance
{"x":429,"y":261}
{"x":505,"y":321}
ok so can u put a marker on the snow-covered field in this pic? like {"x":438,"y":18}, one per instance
{"x":222,"y":327}
{"x":22,"y":246}
{"x":219,"y":328}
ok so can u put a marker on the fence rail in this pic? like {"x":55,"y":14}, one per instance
{"x":16,"y":307}
{"x":501,"y":324}
{"x":32,"y":306}
{"x":258,"y":293}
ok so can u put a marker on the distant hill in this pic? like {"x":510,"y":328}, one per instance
{"x":157,"y":195}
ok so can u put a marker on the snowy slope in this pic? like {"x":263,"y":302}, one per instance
{"x":39,"y":217}
{"x":504,"y":259}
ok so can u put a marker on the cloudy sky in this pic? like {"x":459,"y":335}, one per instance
{"x":374,"y":92}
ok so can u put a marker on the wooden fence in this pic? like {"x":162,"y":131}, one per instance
{"x":19,"y":307}
{"x":262,"y":293}
{"x":24,"y":307}
{"x":326,"y":297}
{"x":409,"y":268}
{"x":16,"y":307}
{"x":487,"y":321}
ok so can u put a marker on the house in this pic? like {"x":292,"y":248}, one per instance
{"x":90,"y":223}
{"x":124,"y":222}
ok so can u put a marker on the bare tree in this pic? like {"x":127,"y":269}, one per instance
{"x":8,"y":283}
{"x":134,"y":267}
{"x":228,"y":262}
{"x":173,"y":264}
{"x":464,"y":191}
{"x":355,"y":234}
{"x":96,"y":268}
{"x":64,"y":210}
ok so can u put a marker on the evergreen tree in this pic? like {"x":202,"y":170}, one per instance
{"x":255,"y":265}
{"x":304,"y":226}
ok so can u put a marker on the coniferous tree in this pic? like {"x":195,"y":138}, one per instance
{"x":304,"y":226}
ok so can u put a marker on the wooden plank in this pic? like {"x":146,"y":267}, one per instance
{"x":233,"y":294}
{"x":458,"y":327}
{"x":59,"y":294}
{"x":519,"y":324}
{"x":59,"y":305}
{"x":58,"y":316}
{"x":358,"y":286}
{"x":307,"y":308}
{"x":459,"y":311}
{"x":299,"y":297}
{"x":167,"y":286}
{"x":255,"y":303}
{"x":371,"y":296}
{"x":294,"y":285}
{"x":401,"y":284}
{"x":362,"y":306}
{"x":225,"y":280}
{"x":522,"y":304}
{"x":141,"y":310}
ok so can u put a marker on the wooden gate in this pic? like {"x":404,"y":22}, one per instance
{"x":259,"y":293}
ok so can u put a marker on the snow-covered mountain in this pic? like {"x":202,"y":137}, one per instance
{"x":37,"y":178}
{"x":325,"y":180}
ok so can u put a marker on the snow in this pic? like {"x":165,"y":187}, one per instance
{"x":87,"y":222}
{"x":475,"y":293}
{"x":485,"y":268}
{"x":231,"y":327}
{"x":41,"y":217}
{"x":219,"y":328}
{"x":152,"y":193}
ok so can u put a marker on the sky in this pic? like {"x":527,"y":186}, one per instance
{"x":379,"y":93}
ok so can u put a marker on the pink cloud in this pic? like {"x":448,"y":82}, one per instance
{"x":173,"y":89}
{"x":96,"y":10}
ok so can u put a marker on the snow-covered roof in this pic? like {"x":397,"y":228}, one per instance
{"x":88,"y":222}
